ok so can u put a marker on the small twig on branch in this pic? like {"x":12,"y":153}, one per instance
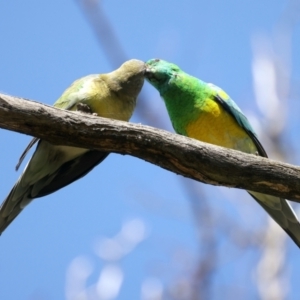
{"x":181,"y":155}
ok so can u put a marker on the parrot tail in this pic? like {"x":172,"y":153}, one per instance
{"x":22,"y":194}
{"x":10,"y":208}
{"x":281,"y":212}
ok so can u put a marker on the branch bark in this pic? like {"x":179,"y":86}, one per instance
{"x":190,"y":158}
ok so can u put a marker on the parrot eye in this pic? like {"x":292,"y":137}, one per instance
{"x":175,"y":68}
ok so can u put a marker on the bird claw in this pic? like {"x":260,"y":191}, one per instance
{"x":85,"y":109}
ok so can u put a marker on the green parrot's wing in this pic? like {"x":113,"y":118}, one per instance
{"x":278,"y":208}
{"x":230,"y":106}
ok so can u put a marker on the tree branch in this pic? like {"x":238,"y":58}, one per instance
{"x":181,"y":155}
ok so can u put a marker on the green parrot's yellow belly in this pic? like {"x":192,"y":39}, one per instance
{"x":215,"y":126}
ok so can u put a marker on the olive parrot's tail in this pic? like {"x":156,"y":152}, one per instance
{"x":11,"y":207}
{"x":22,"y":194}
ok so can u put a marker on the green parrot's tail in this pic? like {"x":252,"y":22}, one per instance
{"x":281,"y":212}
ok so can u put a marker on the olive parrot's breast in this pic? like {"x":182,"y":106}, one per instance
{"x":103,"y":101}
{"x":110,"y":107}
{"x":99,"y":96}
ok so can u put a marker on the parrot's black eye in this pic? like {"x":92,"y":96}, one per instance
{"x":174,"y":68}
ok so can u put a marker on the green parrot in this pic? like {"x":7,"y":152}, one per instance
{"x":205,"y":112}
{"x":112,"y":95}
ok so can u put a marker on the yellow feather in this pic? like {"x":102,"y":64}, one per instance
{"x":214,"y":125}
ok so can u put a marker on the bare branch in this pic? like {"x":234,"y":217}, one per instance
{"x":188,"y":157}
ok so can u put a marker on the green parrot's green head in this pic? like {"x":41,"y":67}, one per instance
{"x":159,"y":73}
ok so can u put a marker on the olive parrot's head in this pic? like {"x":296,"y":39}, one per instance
{"x":128,"y":79}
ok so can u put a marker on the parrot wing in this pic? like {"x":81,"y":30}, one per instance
{"x":54,"y":166}
{"x":51,"y":167}
{"x":78,"y":91}
{"x":83,"y":164}
{"x":72,"y":171}
{"x":279,"y":209}
{"x":71,"y":96}
{"x":230,"y":106}
{"x":63,"y":176}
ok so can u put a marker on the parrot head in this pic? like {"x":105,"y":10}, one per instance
{"x":159,"y":72}
{"x":128,"y":79}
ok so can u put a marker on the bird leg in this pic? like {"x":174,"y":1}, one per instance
{"x":84,"y":108}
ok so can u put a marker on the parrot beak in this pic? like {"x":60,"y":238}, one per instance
{"x":148,"y":72}
{"x":151,"y":69}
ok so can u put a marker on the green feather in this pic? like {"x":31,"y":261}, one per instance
{"x":185,"y":97}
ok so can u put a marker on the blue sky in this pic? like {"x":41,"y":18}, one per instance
{"x":47,"y":45}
